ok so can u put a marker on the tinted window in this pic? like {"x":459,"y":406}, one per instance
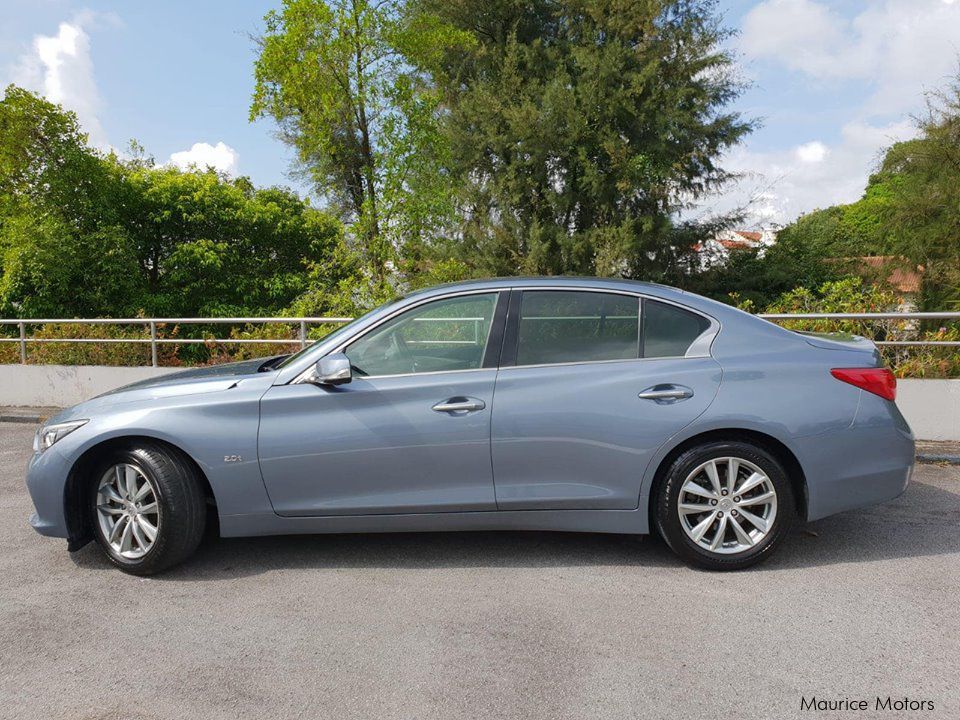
{"x":442,"y":335}
{"x":668,"y":330}
{"x":568,"y":326}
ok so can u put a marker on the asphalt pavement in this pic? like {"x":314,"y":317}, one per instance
{"x":485,"y":625}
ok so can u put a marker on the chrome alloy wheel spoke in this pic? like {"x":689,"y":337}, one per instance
{"x":727,"y":505}
{"x":128,"y":513}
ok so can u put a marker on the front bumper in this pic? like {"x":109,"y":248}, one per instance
{"x":46,"y":480}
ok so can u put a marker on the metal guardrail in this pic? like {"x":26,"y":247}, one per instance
{"x":878,"y":316}
{"x":303,"y":322}
{"x":154,"y":340}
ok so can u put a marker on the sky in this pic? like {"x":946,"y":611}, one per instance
{"x":832,"y":83}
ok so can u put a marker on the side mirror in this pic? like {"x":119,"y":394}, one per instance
{"x":333,"y":369}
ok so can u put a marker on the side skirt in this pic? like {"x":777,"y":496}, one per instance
{"x":595,"y":521}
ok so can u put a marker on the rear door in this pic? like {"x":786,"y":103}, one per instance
{"x":590,"y":385}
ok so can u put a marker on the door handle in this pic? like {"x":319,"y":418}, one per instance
{"x":667,"y":393}
{"x":460,"y":404}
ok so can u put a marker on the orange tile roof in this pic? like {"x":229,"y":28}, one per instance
{"x":735,"y":244}
{"x":902,"y":279}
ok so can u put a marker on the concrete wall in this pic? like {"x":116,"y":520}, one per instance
{"x":65,"y":385}
{"x":932,"y":407}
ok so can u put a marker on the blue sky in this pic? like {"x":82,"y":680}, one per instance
{"x":834,"y":82}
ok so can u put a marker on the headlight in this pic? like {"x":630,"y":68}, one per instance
{"x":49,"y":434}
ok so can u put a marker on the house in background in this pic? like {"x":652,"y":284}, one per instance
{"x":716,"y":251}
{"x":896,"y":272}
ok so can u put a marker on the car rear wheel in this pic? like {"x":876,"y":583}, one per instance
{"x":725,"y":505}
{"x":148,"y":508}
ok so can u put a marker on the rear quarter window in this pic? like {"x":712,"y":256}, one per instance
{"x":669,"y":331}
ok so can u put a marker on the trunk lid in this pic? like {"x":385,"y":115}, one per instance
{"x":863,"y":347}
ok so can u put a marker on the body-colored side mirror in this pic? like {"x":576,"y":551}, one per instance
{"x":333,"y":369}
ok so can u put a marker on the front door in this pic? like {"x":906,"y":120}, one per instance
{"x":409,"y":434}
{"x":589,"y":389}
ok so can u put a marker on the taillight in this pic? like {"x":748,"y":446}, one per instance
{"x":879,"y":381}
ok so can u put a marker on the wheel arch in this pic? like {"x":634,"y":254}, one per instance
{"x":76,"y":513}
{"x":775,"y":447}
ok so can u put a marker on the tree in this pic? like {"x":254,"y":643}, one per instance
{"x":924,"y":205}
{"x":61,"y":251}
{"x":910,"y":209}
{"x":44,"y":157}
{"x":89,"y":234}
{"x":580,"y":128}
{"x":335,"y":77}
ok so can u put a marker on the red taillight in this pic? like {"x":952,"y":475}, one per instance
{"x":879,"y":381}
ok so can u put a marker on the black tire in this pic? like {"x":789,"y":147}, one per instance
{"x":667,"y":517}
{"x":180,"y":501}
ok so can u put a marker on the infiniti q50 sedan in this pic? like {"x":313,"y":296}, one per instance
{"x":521,"y":404}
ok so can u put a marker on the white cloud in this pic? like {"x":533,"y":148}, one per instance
{"x":898,"y":47}
{"x":812,"y":152}
{"x":202,"y":155}
{"x":894,"y":49}
{"x":778,"y":186}
{"x":61,"y":69}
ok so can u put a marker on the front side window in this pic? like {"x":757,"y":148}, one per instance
{"x":669,"y":331}
{"x":563,"y":326}
{"x":442,"y":335}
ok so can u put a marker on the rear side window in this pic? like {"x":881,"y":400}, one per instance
{"x":669,"y":331}
{"x":562,"y":326}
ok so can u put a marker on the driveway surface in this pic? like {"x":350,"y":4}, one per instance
{"x":485,"y":625}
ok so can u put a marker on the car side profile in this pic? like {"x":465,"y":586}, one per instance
{"x":573,"y":404}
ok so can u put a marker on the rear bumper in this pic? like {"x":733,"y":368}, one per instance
{"x":868,"y":463}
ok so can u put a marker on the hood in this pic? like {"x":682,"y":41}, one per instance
{"x":195,"y":381}
{"x":200,"y":379}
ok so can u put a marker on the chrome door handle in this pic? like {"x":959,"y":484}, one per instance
{"x":460,"y":404}
{"x":663,"y":394}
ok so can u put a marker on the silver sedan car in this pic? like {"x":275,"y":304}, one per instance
{"x":516,"y":404}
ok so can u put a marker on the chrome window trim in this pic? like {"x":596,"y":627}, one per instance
{"x":602,"y":362}
{"x":699,"y":348}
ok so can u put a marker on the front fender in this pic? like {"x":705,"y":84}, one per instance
{"x":217,"y":430}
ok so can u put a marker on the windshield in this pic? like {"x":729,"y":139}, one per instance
{"x":329,"y":336}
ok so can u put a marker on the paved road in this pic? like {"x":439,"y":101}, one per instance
{"x":483,"y":625}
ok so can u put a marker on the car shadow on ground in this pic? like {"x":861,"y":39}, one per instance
{"x":925,"y":521}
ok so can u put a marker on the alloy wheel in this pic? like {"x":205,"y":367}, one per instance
{"x":727,"y":505}
{"x":127,"y":511}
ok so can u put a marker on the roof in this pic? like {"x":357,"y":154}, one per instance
{"x":900,"y":278}
{"x":736,"y":244}
{"x":750,"y":235}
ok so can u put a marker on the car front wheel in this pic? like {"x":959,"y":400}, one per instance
{"x":725,"y":505}
{"x":148,"y":508}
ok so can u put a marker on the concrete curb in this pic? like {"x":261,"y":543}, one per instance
{"x":24,"y":419}
{"x":929,"y":459}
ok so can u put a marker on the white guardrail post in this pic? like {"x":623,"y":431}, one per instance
{"x":153,"y":343}
{"x":23,"y":344}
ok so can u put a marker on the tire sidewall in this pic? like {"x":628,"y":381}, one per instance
{"x":130,"y":457}
{"x":668,"y":518}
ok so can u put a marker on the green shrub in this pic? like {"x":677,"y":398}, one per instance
{"x":852,"y":295}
